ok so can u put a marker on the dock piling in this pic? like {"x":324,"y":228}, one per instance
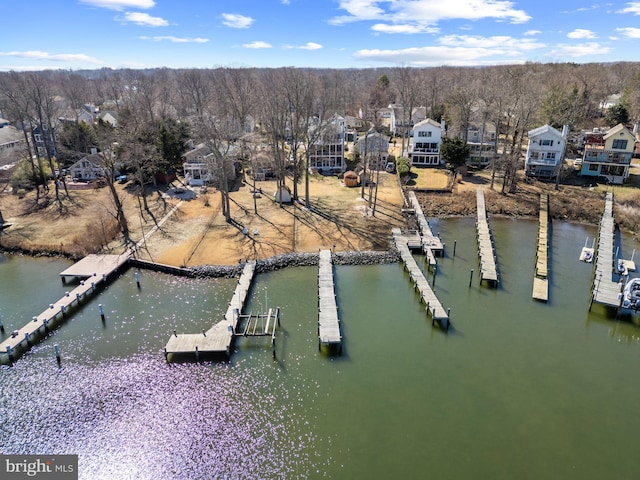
{"x":136,"y":275}
{"x":1,"y":325}
{"x":101,"y":309}
{"x":56,"y":349}
{"x":454,"y":247}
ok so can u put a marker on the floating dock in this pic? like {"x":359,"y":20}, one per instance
{"x":604,"y":289}
{"x":218,"y":338}
{"x":93,"y":270}
{"x":486,"y":251}
{"x":433,"y":305}
{"x":431,"y":244}
{"x":541,"y":277}
{"x":328,"y":322}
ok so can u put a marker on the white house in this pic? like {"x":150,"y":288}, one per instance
{"x":374,"y":149}
{"x":545,"y":151}
{"x":88,"y":168}
{"x":199,"y":166}
{"x":424,"y":143}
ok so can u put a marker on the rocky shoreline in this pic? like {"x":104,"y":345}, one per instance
{"x":288,"y":260}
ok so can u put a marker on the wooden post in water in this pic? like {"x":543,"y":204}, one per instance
{"x":454,"y":247}
{"x":1,"y":325}
{"x":101,"y":309}
{"x":470,"y":278}
{"x":57,"y":352}
{"x":136,"y":275}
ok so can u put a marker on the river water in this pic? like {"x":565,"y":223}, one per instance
{"x":515,"y":389}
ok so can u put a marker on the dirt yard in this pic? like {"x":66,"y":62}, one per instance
{"x":338,"y":217}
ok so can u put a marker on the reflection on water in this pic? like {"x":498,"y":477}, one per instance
{"x":517,"y":389}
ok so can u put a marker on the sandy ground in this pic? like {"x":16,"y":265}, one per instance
{"x":339,"y":218}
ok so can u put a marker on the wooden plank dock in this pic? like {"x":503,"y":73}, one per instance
{"x":486,"y":251}
{"x":541,"y":277}
{"x":433,"y":306}
{"x":431,"y":244}
{"x":218,"y":338}
{"x":93,"y":269}
{"x":329,"y":335}
{"x":605,"y":290}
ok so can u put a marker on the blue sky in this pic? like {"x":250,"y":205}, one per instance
{"x":89,"y":34}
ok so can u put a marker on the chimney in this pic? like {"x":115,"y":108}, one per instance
{"x":565,"y":131}
{"x":442,"y":126}
{"x":635,"y":129}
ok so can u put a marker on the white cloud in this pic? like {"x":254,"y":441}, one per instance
{"x":144,"y":19}
{"x":306,"y":46}
{"x":531,"y":33}
{"x":422,"y":14}
{"x":285,"y":2}
{"x":581,"y":33}
{"x":629,"y":32}
{"x":58,"y":57}
{"x":235,"y":20}
{"x":459,"y":50}
{"x":121,"y":4}
{"x":175,"y":39}
{"x":633,"y":7}
{"x":436,"y":55}
{"x":581,"y":50}
{"x":405,"y":28}
{"x":257,"y":45}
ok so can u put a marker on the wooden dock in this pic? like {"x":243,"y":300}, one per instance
{"x":605,"y":290}
{"x":93,"y":270}
{"x":218,"y":338}
{"x":541,"y":277}
{"x":433,"y":306}
{"x":431,"y":244}
{"x":329,"y":335}
{"x":486,"y":251}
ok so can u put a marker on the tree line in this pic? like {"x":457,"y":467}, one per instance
{"x":159,"y":109}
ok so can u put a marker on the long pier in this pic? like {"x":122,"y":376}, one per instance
{"x":433,"y":306}
{"x":218,"y":338}
{"x":431,"y":244}
{"x":93,"y":270}
{"x":604,"y":289}
{"x":329,"y":335}
{"x":486,"y":252}
{"x":541,"y":277}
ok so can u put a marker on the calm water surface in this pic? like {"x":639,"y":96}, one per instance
{"x":516,"y":389}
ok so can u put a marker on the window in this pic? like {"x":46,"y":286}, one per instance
{"x":422,"y":133}
{"x":620,"y":144}
{"x":546,"y":143}
{"x":551,"y":155}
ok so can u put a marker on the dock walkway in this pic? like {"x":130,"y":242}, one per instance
{"x":433,"y":305}
{"x":605,"y":290}
{"x":93,"y":270}
{"x":541,"y":277}
{"x":328,"y":322}
{"x":431,"y":244}
{"x":486,"y":252}
{"x":219,"y":337}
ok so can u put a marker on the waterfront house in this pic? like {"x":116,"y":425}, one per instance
{"x":200,"y":165}
{"x":545,"y":151}
{"x":326,"y":152}
{"x":608,"y":154}
{"x":12,"y":143}
{"x":424,"y":143}
{"x":374,"y":150}
{"x":481,"y":140}
{"x":88,"y":168}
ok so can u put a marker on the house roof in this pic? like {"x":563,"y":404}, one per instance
{"x":10,"y":134}
{"x":544,"y":129}
{"x":617,"y":129}
{"x":427,"y":121}
{"x":94,"y":159}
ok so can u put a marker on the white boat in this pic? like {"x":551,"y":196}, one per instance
{"x":631,"y":296}
{"x":586,"y":254}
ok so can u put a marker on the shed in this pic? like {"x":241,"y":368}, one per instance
{"x":282,"y":195}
